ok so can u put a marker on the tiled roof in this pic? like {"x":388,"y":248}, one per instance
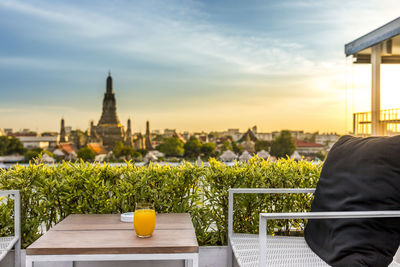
{"x":67,"y":148}
{"x":97,"y":148}
{"x":307,"y":144}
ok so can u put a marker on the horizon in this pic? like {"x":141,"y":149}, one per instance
{"x":192,"y":65}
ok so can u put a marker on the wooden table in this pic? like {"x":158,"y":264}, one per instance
{"x":101,"y":237}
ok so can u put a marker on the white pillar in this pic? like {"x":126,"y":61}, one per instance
{"x":376,"y":90}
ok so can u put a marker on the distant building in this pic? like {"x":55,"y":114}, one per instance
{"x":44,"y":142}
{"x":228,"y":155}
{"x":128,"y":135}
{"x":245,"y":156}
{"x":63,"y":137}
{"x":68,"y":130}
{"x":326,"y":140}
{"x":147,"y":140}
{"x":2,"y":133}
{"x":109,"y":128}
{"x":234,"y":133}
{"x":97,"y":148}
{"x":139,"y":141}
{"x":24,"y":132}
{"x":265,"y":136}
{"x":248,"y":144}
{"x":248,"y":135}
{"x":169,"y":132}
{"x":308,"y":148}
{"x":66,"y":151}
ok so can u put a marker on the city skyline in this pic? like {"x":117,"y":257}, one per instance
{"x":188,"y":65}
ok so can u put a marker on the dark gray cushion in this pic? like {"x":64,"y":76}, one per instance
{"x":359,"y":174}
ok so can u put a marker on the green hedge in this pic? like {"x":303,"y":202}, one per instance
{"x":50,"y":193}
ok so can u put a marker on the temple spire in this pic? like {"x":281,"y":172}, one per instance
{"x":128,"y":134}
{"x":148,"y":137}
{"x":109,"y":114}
{"x":62,"y":131}
{"x":110,"y":89}
{"x":128,"y":129}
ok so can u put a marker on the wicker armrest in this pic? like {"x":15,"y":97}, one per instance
{"x":313,"y":215}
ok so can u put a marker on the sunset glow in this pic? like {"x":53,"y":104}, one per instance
{"x":192,"y":65}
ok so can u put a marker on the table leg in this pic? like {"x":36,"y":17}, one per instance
{"x":195,"y":262}
{"x":28,"y":262}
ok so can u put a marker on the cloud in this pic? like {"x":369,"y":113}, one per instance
{"x":173,"y":56}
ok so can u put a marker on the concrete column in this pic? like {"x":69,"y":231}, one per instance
{"x":376,"y":90}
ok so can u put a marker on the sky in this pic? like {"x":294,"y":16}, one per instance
{"x":189,"y":65}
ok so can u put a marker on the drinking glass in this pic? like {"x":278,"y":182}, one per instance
{"x":144,"y":220}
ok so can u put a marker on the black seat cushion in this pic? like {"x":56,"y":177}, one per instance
{"x":359,"y":174}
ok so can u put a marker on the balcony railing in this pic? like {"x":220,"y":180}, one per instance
{"x":389,"y":122}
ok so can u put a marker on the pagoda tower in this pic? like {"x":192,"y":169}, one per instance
{"x":147,"y":141}
{"x":109,"y":129}
{"x":128,"y":134}
{"x":62,"y":132}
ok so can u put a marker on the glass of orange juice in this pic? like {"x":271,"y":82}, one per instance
{"x":144,"y":220}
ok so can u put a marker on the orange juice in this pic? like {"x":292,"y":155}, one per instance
{"x":144,"y":222}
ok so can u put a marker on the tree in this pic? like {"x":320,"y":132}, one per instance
{"x":121,"y":150}
{"x":141,"y":151}
{"x":10,"y":145}
{"x":321,"y":155}
{"x":226,"y":146}
{"x":172,"y":147}
{"x":126,"y":152}
{"x":192,"y":148}
{"x":283,"y":145}
{"x":117,"y":149}
{"x":208,"y":149}
{"x":237,"y":149}
{"x":86,"y":154}
{"x":136,"y":155}
{"x":262,"y":145}
{"x":32,"y":153}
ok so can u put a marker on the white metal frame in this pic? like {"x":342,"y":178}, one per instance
{"x":16,"y":241}
{"x":191,"y":259}
{"x":293,"y":215}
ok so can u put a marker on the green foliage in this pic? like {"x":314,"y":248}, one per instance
{"x":6,"y":216}
{"x":192,"y":148}
{"x":321,"y":155}
{"x":262,"y":145}
{"x":32,"y":153}
{"x":50,"y":193}
{"x":208,"y":149}
{"x":10,"y":145}
{"x":136,"y":155}
{"x":283,"y":145}
{"x":227,"y":145}
{"x":86,"y":154}
{"x":236,"y":148}
{"x":143,"y":152}
{"x":121,"y":150}
{"x":118,"y":148}
{"x":172,"y":147}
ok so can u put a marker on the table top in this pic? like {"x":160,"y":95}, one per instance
{"x":106,"y":234}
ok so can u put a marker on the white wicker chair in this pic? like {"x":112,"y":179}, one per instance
{"x":8,"y":242}
{"x":262,"y":250}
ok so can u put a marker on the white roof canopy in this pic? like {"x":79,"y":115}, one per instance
{"x":388,"y":36}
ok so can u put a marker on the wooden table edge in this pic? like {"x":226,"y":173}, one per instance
{"x":113,"y":251}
